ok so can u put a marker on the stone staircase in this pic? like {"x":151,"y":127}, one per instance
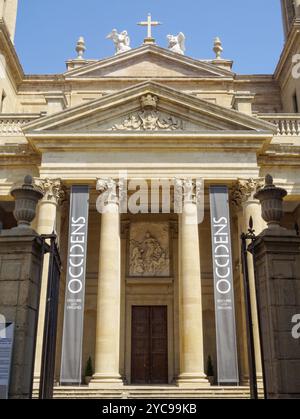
{"x":152,"y":392}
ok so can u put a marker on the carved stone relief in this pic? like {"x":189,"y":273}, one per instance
{"x":149,"y":118}
{"x":149,"y":121}
{"x":149,"y":250}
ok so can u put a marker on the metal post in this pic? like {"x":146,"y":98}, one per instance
{"x":250,"y":336}
{"x":50,"y":327}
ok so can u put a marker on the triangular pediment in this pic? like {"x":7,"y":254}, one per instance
{"x":146,"y":107}
{"x":149,"y":62}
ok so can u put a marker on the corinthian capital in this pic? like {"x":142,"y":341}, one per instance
{"x":244,"y":189}
{"x":110,"y":187}
{"x":186,"y":190}
{"x":52,"y":188}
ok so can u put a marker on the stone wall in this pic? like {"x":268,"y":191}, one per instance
{"x":20,"y":269}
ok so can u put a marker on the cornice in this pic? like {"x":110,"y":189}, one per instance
{"x":154,"y":50}
{"x":273,"y":159}
{"x":293,"y":38}
{"x":221,"y":142}
{"x":8,"y":49}
{"x":16,"y":154}
{"x":166,"y":94}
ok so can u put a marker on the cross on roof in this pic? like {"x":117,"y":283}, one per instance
{"x":149,"y":24}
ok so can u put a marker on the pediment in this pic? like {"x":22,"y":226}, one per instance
{"x":149,"y":62}
{"x":147,"y":107}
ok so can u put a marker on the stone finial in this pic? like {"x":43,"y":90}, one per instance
{"x":80,"y":48}
{"x":218,"y":49}
{"x":269,"y":180}
{"x":271,"y":199}
{"x":26,"y":199}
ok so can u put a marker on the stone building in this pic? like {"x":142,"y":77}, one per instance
{"x":156,"y":114}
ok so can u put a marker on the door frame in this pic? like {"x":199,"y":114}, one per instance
{"x":153,"y":300}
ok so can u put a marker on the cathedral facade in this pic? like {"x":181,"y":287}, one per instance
{"x":152,"y":116}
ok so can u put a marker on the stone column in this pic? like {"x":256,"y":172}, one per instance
{"x":46,"y":223}
{"x":107,"y":356}
{"x":297,"y":7}
{"x":125,"y":231}
{"x":244,"y":198}
{"x":190,"y":292}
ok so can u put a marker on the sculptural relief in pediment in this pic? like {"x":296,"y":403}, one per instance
{"x":149,"y":119}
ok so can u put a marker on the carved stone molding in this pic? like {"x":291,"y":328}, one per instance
{"x":53,"y":190}
{"x":243,"y":190}
{"x":149,"y":101}
{"x":16,"y":149}
{"x":12,"y":126}
{"x":18,"y":153}
{"x":149,"y":119}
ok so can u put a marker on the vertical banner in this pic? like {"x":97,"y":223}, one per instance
{"x":6,"y":348}
{"x":75,"y":287}
{"x":223,"y":286}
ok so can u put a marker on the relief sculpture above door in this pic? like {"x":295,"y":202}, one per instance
{"x":149,"y":254}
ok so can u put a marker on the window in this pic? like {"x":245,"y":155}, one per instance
{"x":295,"y":103}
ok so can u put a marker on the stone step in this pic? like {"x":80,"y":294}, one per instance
{"x":152,"y":392}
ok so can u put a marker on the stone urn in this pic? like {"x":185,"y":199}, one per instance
{"x":26,"y":199}
{"x":271,"y":199}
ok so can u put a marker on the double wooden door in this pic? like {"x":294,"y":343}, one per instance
{"x":149,"y":345}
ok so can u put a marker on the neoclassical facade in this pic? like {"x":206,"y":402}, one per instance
{"x":152,"y":114}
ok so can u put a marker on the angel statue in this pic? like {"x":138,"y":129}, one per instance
{"x":121,"y":40}
{"x":177,"y":43}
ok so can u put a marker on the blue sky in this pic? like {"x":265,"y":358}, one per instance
{"x":251,"y":30}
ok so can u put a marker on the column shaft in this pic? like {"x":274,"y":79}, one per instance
{"x":297,"y":7}
{"x":252,"y":208}
{"x":45,"y":224}
{"x":107,"y":357}
{"x":190,"y":300}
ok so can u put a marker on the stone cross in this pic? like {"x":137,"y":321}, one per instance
{"x":149,"y":24}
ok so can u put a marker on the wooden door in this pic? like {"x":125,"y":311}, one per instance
{"x":149,"y":345}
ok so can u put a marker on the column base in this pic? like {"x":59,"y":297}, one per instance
{"x":106,"y":381}
{"x":260,"y":380}
{"x":36,"y":383}
{"x":245,"y":381}
{"x":192,"y":380}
